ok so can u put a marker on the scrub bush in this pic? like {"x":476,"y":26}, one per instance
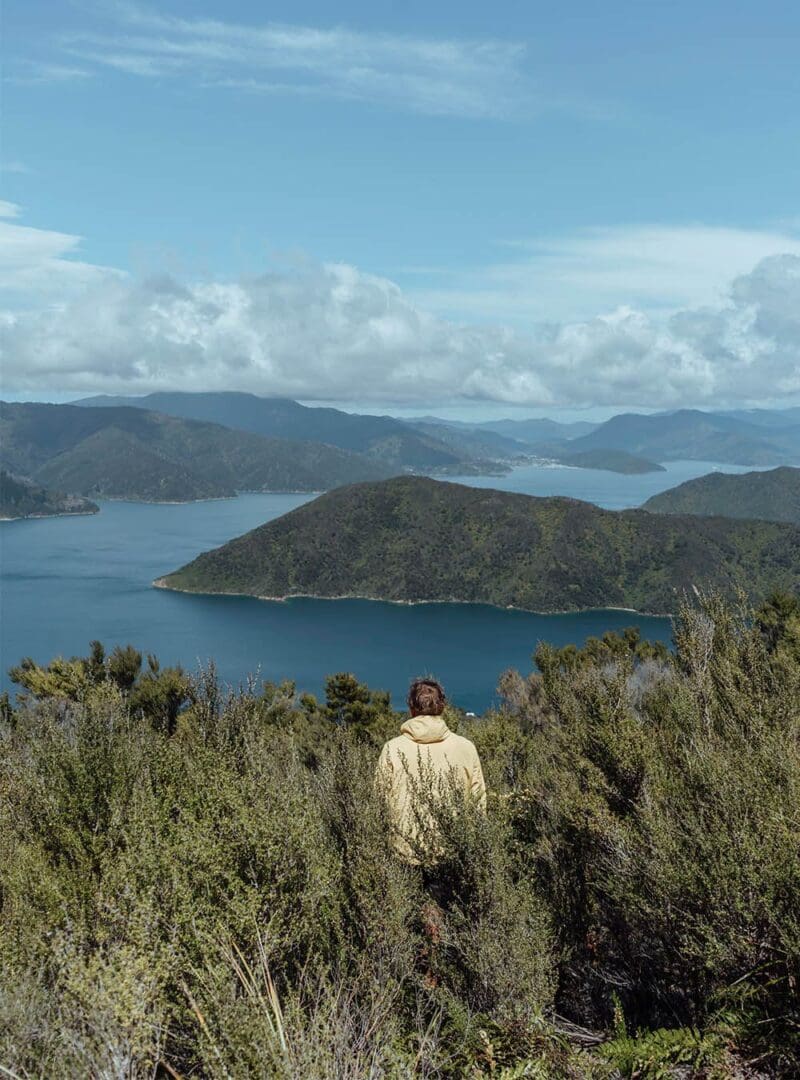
{"x":196,"y":882}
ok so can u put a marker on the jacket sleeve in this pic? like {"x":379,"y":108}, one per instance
{"x":478,"y":783}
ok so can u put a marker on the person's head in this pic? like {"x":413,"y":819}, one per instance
{"x":426,"y":698}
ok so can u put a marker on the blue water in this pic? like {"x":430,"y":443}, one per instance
{"x":611,"y":490}
{"x":68,"y":580}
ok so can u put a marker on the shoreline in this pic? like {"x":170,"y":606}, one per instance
{"x":66,"y":513}
{"x":160,"y":583}
{"x":158,"y":502}
{"x":204,"y":499}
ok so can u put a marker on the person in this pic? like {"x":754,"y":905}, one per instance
{"x":426,"y":749}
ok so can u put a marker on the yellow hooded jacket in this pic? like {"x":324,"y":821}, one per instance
{"x":425,"y":743}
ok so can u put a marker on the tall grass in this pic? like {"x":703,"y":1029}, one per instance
{"x":201,"y":884}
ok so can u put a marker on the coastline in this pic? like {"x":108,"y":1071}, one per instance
{"x":161,"y":583}
{"x":205,"y":498}
{"x":66,"y":513}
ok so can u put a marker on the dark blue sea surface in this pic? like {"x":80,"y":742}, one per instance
{"x":68,"y":580}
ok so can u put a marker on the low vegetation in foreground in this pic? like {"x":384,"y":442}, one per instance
{"x":197,"y":884}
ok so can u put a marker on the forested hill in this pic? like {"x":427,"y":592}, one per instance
{"x":412,"y":538}
{"x":773,"y":495}
{"x":397,"y":445}
{"x":21,"y":499}
{"x":134,"y":454}
{"x":692,"y":435}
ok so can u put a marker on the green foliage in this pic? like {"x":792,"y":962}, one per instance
{"x":350,"y":703}
{"x":660,"y":1054}
{"x":158,"y":695}
{"x":201,"y":884}
{"x":778,"y":619}
{"x":611,"y":648}
{"x":416,"y":539}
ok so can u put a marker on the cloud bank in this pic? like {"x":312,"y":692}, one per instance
{"x":654,"y":268}
{"x":36,"y":265}
{"x":330,"y":331}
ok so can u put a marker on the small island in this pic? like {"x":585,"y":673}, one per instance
{"x":619,"y":461}
{"x":22,"y":499}
{"x":413,"y":539}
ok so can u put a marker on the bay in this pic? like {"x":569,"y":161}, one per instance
{"x":614,"y":491}
{"x":68,"y":580}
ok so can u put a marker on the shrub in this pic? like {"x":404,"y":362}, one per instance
{"x":202,"y":883}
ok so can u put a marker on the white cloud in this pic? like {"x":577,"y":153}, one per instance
{"x":480,"y":78}
{"x":332,"y":332}
{"x":654,"y":268}
{"x":37,"y":267}
{"x":34,"y":73}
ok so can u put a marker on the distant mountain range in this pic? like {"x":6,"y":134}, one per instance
{"x":22,"y":499}
{"x":427,"y":445}
{"x":739,"y":437}
{"x":398,"y":446}
{"x":766,"y":418}
{"x":186,"y":446}
{"x":129,"y":453}
{"x":692,"y":435}
{"x":415,"y":539}
{"x":772,"y":495}
{"x":529,"y":432}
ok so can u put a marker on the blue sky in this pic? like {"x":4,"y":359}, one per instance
{"x":518,"y":204}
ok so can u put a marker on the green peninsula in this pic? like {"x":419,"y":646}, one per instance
{"x":772,"y":495}
{"x":22,"y":499}
{"x":415,"y":539}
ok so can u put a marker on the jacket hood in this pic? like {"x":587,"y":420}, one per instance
{"x":426,"y":729}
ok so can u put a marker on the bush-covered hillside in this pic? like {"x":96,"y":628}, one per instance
{"x":21,"y":499}
{"x":200,"y":885}
{"x":417,"y":539}
{"x":133,"y":454}
{"x":772,"y":495}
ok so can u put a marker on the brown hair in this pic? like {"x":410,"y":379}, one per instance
{"x":426,"y":697}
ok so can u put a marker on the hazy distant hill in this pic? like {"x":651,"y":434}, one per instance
{"x":768,"y":418}
{"x":773,"y":495}
{"x":22,"y":499}
{"x":474,"y":443}
{"x":556,"y":446}
{"x":398,"y":445}
{"x":545,"y":439}
{"x":413,"y":538}
{"x":530,"y":432}
{"x":690,"y":434}
{"x":131,"y":453}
